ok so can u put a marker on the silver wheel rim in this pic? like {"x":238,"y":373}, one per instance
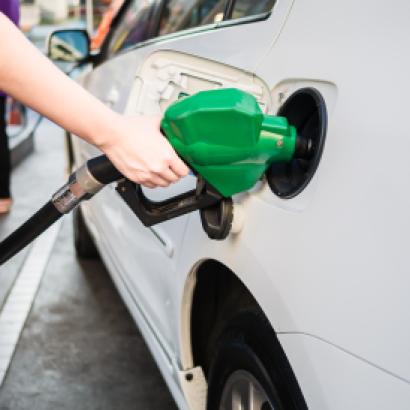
{"x":243,"y":392}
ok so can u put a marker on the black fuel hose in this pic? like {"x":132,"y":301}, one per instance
{"x":82,"y":185}
{"x":27,"y":232}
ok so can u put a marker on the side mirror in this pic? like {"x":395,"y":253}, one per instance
{"x":69,"y":45}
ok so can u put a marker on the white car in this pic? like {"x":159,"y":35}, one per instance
{"x":306,"y":303}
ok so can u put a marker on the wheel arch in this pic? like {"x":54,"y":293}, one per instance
{"x":220,"y":278}
{"x":212,"y":294}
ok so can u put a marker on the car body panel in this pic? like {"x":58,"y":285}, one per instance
{"x":329,"y":267}
{"x":351,"y":238}
{"x":334,"y":379}
{"x":109,"y":217}
{"x":166,"y":363}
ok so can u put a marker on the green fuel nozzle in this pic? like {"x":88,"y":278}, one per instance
{"x":225,"y":137}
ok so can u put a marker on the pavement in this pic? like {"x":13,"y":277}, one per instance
{"x":33,"y":182}
{"x":80,"y":348}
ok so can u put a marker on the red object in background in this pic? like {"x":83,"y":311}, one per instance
{"x":105,"y":24}
{"x":15,"y":115}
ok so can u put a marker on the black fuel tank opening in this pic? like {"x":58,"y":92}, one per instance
{"x":306,"y":110}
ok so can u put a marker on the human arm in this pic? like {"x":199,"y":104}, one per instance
{"x":134,"y":144}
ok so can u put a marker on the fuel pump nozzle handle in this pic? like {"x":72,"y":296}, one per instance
{"x":89,"y":179}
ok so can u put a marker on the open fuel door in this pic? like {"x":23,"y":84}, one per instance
{"x":166,"y":75}
{"x":163,"y":78}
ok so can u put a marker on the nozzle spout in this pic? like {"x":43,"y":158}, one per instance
{"x":304,"y":148}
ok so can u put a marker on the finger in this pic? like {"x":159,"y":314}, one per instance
{"x":149,"y":180}
{"x":179,"y":167}
{"x":148,"y":185}
{"x":158,"y":181}
{"x":169,"y":175}
{"x":140,"y":177}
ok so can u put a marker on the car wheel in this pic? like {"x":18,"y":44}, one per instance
{"x":83,"y":241}
{"x":249,"y":369}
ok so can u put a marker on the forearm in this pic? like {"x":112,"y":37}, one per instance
{"x":31,"y":78}
{"x":134,"y":145}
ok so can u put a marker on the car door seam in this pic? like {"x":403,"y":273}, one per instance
{"x":344,"y":350}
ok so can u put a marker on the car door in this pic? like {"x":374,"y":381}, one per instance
{"x":146,"y":80}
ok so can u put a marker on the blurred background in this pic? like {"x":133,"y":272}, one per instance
{"x":38,"y":18}
{"x":36,"y":12}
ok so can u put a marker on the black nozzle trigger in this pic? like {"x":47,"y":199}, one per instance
{"x":153,"y":212}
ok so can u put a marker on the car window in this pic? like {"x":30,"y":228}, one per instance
{"x":244,"y":8}
{"x":183,"y":14}
{"x":133,"y":27}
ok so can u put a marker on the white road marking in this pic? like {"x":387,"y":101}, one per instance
{"x":21,"y":297}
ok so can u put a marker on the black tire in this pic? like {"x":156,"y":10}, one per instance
{"x":83,"y":242}
{"x":249,"y":344}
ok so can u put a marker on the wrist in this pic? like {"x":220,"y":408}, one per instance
{"x":106,"y":132}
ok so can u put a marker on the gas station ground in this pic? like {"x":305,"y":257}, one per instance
{"x":80,"y":348}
